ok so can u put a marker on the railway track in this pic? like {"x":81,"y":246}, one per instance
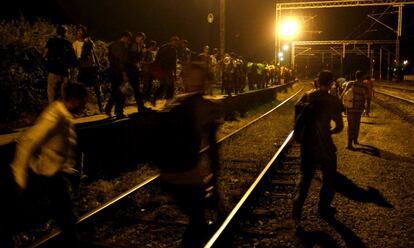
{"x":399,"y":98}
{"x":401,"y":106}
{"x":394,"y":87}
{"x":262,"y":218}
{"x":112,"y":204}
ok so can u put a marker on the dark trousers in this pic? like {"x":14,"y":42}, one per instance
{"x":134,"y":76}
{"x":148,"y":84}
{"x":55,"y":189}
{"x":354,"y":122}
{"x":167,"y":87}
{"x":117,"y":98}
{"x":90,"y":77}
{"x":328,"y":167}
{"x":368,"y":107}
{"x":192,"y":200}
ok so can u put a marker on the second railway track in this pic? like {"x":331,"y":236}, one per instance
{"x":136,"y":217}
{"x":400,"y":105}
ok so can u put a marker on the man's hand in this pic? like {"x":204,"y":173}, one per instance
{"x":125,"y":77}
{"x":19,"y":190}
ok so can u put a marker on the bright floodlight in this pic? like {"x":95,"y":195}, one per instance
{"x":285,"y":47}
{"x":405,"y":62}
{"x":289,"y":28}
{"x":280,"y":54}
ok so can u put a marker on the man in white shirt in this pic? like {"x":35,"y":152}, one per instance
{"x":78,"y":43}
{"x":46,"y":152}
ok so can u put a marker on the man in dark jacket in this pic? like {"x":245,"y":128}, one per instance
{"x":118,"y":58}
{"x":188,"y":175}
{"x":60,"y":57}
{"x":164,"y":68}
{"x":318,"y":150}
{"x":134,"y":68}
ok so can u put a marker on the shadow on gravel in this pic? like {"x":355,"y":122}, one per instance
{"x":315,"y":239}
{"x":349,"y":189}
{"x":351,"y":239}
{"x":374,"y":151}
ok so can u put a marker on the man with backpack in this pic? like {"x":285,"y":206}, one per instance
{"x":354,"y":98}
{"x":314,"y":113}
{"x":60,"y":57}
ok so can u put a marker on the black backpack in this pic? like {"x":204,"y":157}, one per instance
{"x":303,"y":117}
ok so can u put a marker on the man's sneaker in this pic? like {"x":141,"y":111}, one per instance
{"x":108,"y":111}
{"x":144,"y":109}
{"x":350,"y":147}
{"x":296,"y":214}
{"x":326,"y":212}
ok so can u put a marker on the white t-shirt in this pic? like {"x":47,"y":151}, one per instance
{"x":77,"y":46}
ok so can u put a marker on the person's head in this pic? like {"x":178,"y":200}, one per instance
{"x":206,"y":49}
{"x":81,"y":33}
{"x":126,"y":37}
{"x":325,"y":79}
{"x":184,"y":43}
{"x":61,"y":30}
{"x":196,"y":78}
{"x":74,"y":97}
{"x":140,"y":37}
{"x":215,"y":51}
{"x":174,"y":41}
{"x":359,"y":75}
{"x":152,"y":44}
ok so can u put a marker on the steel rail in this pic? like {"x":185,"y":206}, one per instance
{"x":395,"y":97}
{"x":54,"y":234}
{"x":242,"y":202}
{"x":394,"y":87}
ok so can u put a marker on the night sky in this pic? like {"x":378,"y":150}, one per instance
{"x":250,"y":24}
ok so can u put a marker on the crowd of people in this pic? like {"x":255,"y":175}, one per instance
{"x":151,"y":71}
{"x":46,"y":152}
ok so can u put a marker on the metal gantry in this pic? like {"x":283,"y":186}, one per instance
{"x":341,"y":4}
{"x":339,"y":48}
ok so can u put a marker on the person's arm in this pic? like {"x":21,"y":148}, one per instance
{"x":46,"y":50}
{"x":339,"y":124}
{"x":45,"y":53}
{"x":30,"y":143}
{"x":337,"y":118}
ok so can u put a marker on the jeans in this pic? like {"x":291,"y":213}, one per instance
{"x":354,"y":121}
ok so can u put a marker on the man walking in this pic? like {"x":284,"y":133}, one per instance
{"x":355,"y":96}
{"x":60,"y":57}
{"x":134,"y":68}
{"x":118,"y":58}
{"x":191,"y":124}
{"x":46,"y":152}
{"x":164,"y":68}
{"x":370,"y":86}
{"x":318,"y":150}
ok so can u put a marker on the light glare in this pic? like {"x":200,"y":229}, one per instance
{"x":289,"y":28}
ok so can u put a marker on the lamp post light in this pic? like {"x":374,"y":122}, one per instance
{"x":288,"y":29}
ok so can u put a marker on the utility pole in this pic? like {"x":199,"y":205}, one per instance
{"x":399,"y":33}
{"x":222,"y":27}
{"x":380,"y":64}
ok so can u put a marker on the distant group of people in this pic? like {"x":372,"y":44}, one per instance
{"x":139,"y":62}
{"x":313,"y":116}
